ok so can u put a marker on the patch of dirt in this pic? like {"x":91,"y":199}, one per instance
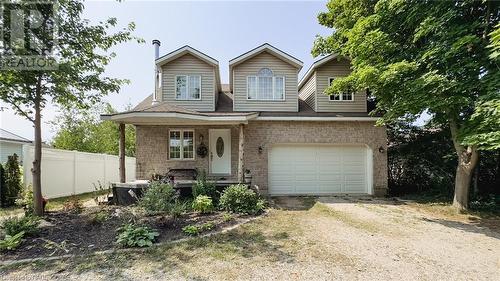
{"x":63,"y":233}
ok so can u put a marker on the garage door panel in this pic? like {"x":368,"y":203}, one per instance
{"x":330,"y":177}
{"x":321,"y":169}
{"x":305,"y":188}
{"x":328,"y":187}
{"x":353,"y":188}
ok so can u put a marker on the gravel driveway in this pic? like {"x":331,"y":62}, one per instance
{"x":408,"y":244}
{"x":307,"y":239}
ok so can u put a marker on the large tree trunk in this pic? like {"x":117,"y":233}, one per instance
{"x":467,"y":160}
{"x":463,"y":179}
{"x":37,"y":159}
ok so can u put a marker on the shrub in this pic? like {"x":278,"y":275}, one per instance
{"x":240,"y":199}
{"x":158,"y":198}
{"x":178,"y":208}
{"x":12,"y":177}
{"x":98,"y":217}
{"x":73,"y":205}
{"x":226,"y":217}
{"x":204,"y":187}
{"x":130,"y":235}
{"x":194,"y":230}
{"x":203,"y":204}
{"x":11,"y":242}
{"x":27,"y":224}
{"x":26,"y":201}
{"x":2,"y":187}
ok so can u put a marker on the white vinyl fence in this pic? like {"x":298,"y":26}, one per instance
{"x":67,"y":172}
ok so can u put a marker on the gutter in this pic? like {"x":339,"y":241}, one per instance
{"x":120,"y":116}
{"x":310,"y":118}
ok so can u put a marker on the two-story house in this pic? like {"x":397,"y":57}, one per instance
{"x":291,"y":137}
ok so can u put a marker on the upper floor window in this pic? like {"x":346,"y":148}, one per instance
{"x":344,"y":96}
{"x":188,"y":87}
{"x":265,"y":86}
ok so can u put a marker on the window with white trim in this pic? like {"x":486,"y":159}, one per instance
{"x":343,"y":96}
{"x":265,"y":86}
{"x":188,"y":87}
{"x":181,"y":144}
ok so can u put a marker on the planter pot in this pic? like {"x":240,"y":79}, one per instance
{"x":248,"y":178}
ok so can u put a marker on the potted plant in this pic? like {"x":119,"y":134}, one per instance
{"x":248,"y":176}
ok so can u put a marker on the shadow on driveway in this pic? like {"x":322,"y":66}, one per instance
{"x":478,"y":224}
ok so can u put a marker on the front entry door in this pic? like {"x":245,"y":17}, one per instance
{"x":220,"y":151}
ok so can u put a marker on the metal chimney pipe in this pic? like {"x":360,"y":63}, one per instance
{"x":156,"y":44}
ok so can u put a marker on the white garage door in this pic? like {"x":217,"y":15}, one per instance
{"x":318,"y":169}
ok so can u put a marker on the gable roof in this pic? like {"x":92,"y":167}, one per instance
{"x":314,"y":66}
{"x":186,"y":50}
{"x":8,"y":136}
{"x":192,"y":51}
{"x":266,"y":47}
{"x":269,"y":48}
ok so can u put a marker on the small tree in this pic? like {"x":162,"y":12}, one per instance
{"x":82,"y":52}
{"x":3,"y":188}
{"x":13,"y":182}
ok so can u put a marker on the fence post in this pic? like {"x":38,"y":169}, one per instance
{"x":105,"y":179}
{"x":26,"y":166}
{"x":74,"y":172}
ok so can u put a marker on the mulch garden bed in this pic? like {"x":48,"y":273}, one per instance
{"x":63,"y":233}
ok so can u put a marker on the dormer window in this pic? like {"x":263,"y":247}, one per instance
{"x":265,"y":86}
{"x":187,"y":87}
{"x":344,"y":96}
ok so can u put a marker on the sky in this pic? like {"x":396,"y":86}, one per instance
{"x":221,"y":29}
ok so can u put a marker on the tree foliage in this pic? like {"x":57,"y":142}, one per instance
{"x":420,"y":55}
{"x":82,"y":130}
{"x":422,"y":160}
{"x":82,"y":52}
{"x":13,"y":182}
{"x":495,"y":43}
{"x":3,"y":188}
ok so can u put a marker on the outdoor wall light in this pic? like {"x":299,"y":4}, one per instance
{"x":381,"y":149}
{"x":260,"y":149}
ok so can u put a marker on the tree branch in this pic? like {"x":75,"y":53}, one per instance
{"x":21,"y":111}
{"x":454,"y":136}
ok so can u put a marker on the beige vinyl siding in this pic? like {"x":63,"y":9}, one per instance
{"x":307,"y":92}
{"x":189,"y":65}
{"x":311,"y":100}
{"x":250,"y":67}
{"x":335,"y":68}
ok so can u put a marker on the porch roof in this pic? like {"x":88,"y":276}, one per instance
{"x":165,"y":113}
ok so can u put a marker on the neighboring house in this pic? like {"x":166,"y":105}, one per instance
{"x":11,"y":143}
{"x":291,"y":137}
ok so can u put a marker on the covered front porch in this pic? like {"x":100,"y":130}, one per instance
{"x":211,"y":144}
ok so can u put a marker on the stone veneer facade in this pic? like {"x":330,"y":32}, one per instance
{"x":152,"y":146}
